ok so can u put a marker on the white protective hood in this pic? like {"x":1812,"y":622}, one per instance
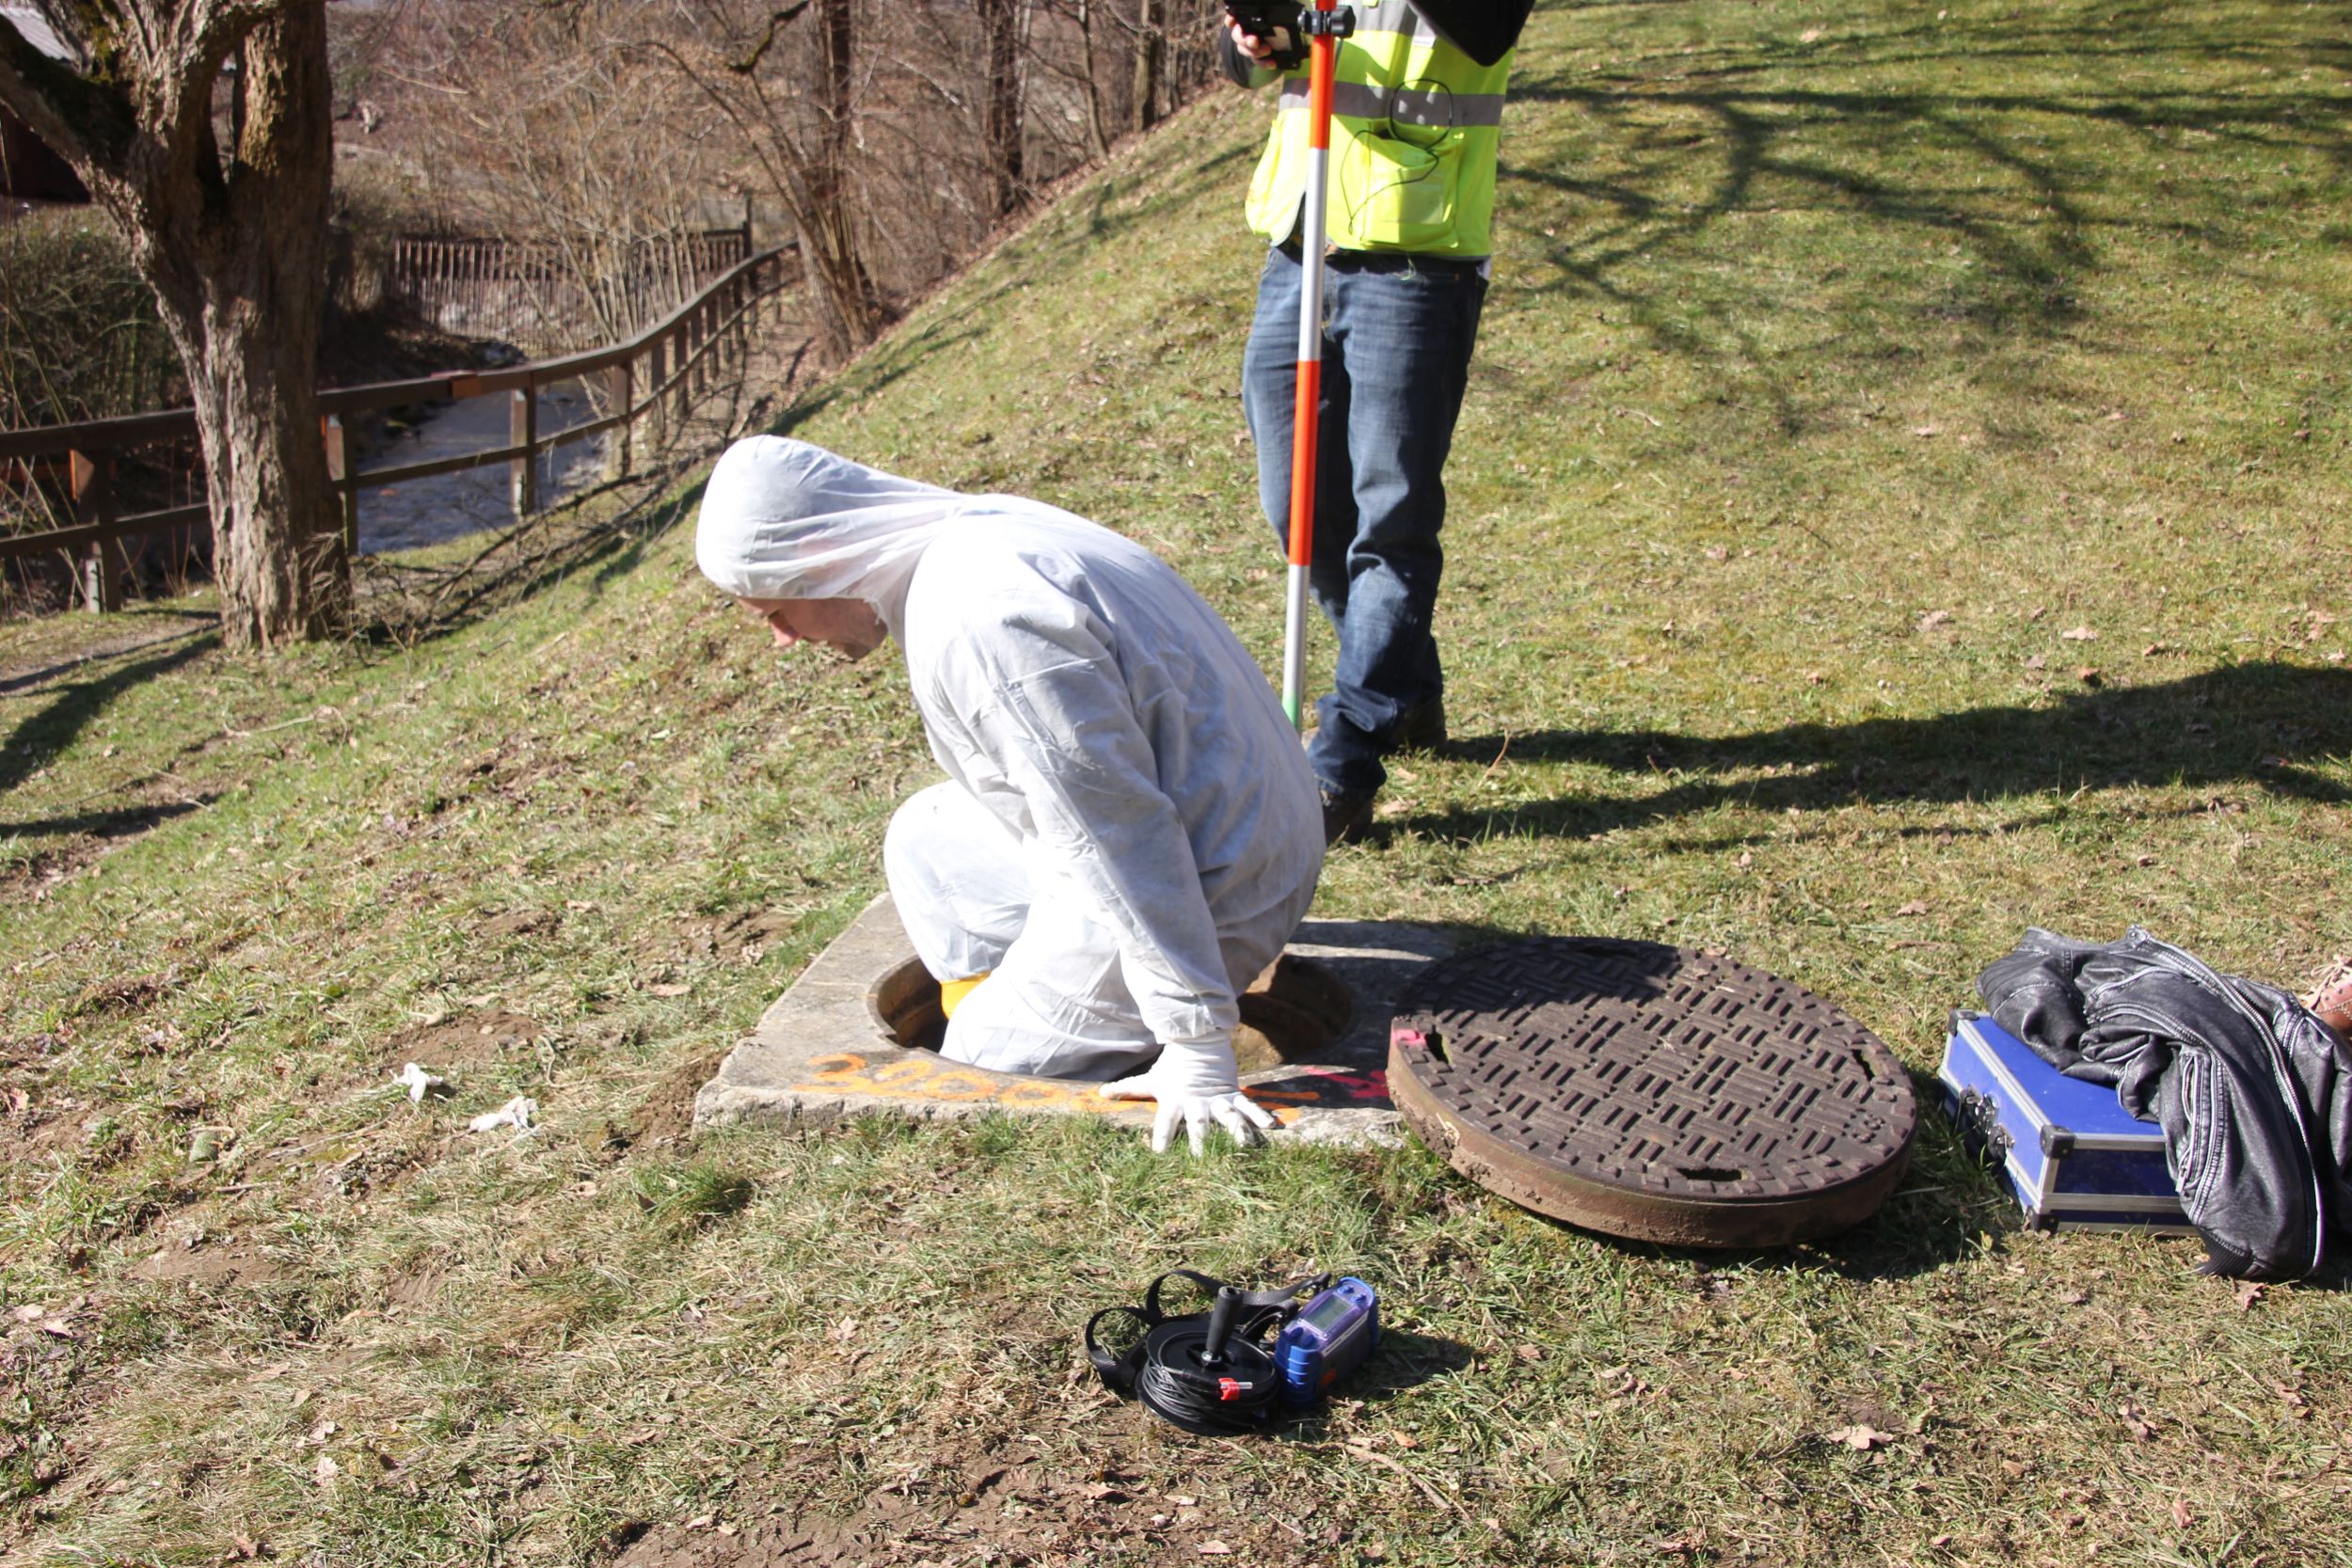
{"x":782,"y":520}
{"x":1076,"y":688}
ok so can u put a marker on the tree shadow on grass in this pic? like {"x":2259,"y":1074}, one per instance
{"x":124,"y":822}
{"x":2261,"y":725}
{"x":1913,"y":134}
{"x":40,"y":737}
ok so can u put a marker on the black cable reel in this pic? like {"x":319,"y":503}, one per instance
{"x":1214,"y":1373}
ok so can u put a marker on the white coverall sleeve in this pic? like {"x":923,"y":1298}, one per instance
{"x":1042,"y":703}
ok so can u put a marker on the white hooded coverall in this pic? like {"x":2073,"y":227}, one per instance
{"x":1129,"y":832}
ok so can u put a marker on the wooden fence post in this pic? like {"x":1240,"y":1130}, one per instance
{"x":618,"y":393}
{"x":681,"y":374}
{"x":658,"y":373}
{"x":523,"y":430}
{"x":346,"y":491}
{"x":89,"y":481}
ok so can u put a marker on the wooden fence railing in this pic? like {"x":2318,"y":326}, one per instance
{"x":648,"y":380}
{"x":540,"y":295}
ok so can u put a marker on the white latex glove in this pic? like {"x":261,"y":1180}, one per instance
{"x":1196,"y":1086}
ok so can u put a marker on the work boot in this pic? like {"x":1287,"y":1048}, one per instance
{"x":1423,"y":728}
{"x":1345,"y":817}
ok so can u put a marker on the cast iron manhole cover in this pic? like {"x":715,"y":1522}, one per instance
{"x":1651,"y":1091}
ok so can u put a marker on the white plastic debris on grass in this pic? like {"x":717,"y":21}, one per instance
{"x":517,"y":1113}
{"x":417,"y":1082}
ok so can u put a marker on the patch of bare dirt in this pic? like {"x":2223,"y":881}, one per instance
{"x":125,"y":993}
{"x":742,"y":937}
{"x":212,"y":1267}
{"x":462,"y":1039}
{"x":519,"y":923}
{"x":968,"y":1510}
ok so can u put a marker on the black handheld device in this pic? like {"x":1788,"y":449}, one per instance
{"x":1266,"y":19}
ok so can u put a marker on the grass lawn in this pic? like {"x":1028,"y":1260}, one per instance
{"x":1902,"y":499}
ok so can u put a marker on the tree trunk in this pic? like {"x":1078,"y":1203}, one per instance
{"x":1150,"y":55}
{"x":1001,"y":122}
{"x":251,"y":348}
{"x":235,"y":250}
{"x":848,"y":317}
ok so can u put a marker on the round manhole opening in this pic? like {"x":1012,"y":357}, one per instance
{"x":1293,"y":1011}
{"x":1651,"y":1092}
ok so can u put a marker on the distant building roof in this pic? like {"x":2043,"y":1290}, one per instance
{"x":35,"y":30}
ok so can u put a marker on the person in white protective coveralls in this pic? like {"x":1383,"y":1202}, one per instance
{"x":1129,"y":830}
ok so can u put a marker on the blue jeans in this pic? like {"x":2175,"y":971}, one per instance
{"x":1397,"y":337}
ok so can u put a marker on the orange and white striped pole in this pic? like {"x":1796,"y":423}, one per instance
{"x":1323,"y":60}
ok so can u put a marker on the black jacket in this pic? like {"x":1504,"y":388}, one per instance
{"x":2253,"y":1092}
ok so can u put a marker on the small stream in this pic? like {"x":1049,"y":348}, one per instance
{"x":408,"y":513}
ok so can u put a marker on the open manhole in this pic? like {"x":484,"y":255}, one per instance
{"x":1292,"y":1012}
{"x":1651,"y":1092}
{"x":858,"y":1032}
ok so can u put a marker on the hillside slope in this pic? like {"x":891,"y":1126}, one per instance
{"x":1901,"y":500}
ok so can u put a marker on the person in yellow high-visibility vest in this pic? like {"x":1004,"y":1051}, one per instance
{"x":1417,"y":113}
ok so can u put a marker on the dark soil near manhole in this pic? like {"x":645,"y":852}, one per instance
{"x":741,"y":938}
{"x":466,"y":1039}
{"x":667,"y":1114}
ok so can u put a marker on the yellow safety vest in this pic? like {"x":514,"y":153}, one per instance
{"x":1414,"y":126}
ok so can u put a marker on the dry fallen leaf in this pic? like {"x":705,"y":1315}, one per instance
{"x":2181,"y":1516}
{"x":1811,"y":35}
{"x":1917,"y":906}
{"x":1862,"y":1439}
{"x":2249,"y":1292}
{"x":2089,"y":674}
{"x":2074,"y":1298}
{"x":1213,"y":1549}
{"x":1924,"y":430}
{"x":1933,"y":618}
{"x":2080,"y":634}
{"x":326,"y":1471}
{"x":1745,"y":859}
{"x":668,"y":990}
{"x":2013,"y":1469}
{"x":2036,"y":662}
{"x":2136,"y":1423}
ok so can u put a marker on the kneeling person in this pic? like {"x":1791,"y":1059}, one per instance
{"x":1128,"y":832}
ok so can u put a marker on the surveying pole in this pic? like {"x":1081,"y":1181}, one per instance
{"x":1324,"y":26}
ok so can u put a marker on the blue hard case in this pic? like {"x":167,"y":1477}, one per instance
{"x":2075,"y":1157}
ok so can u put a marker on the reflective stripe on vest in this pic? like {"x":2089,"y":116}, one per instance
{"x":1415,"y":124}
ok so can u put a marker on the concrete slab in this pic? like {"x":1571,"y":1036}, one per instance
{"x":819,"y":1052}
